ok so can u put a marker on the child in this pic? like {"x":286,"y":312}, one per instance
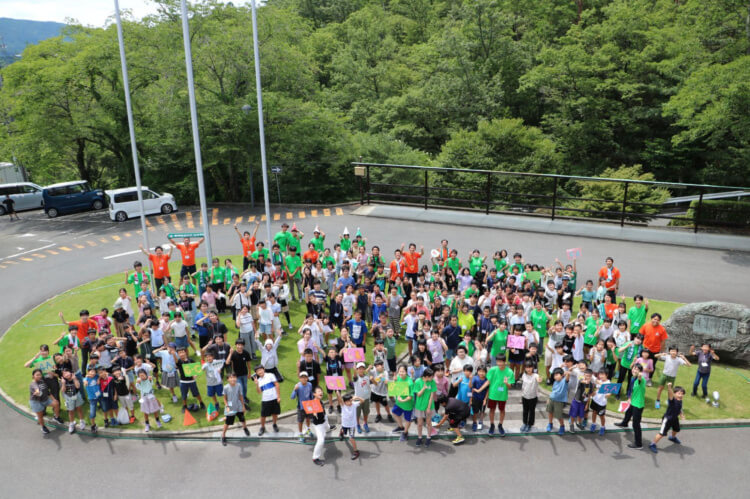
{"x":557,"y":398}
{"x":415,"y":370}
{"x":379,"y":396}
{"x":40,"y":397}
{"x":91,"y":382}
{"x":303,"y":391}
{"x":456,"y":413}
{"x":268,"y":387}
{"x":188,"y":384}
{"x":647,"y":364}
{"x":635,"y":410}
{"x":516,"y":355}
{"x":424,"y":389}
{"x":362,"y":391}
{"x":321,"y":426}
{"x":672,"y":361}
{"x":349,"y":405}
{"x":599,"y":404}
{"x":529,"y":395}
{"x":404,"y":405}
{"x":705,"y":357}
{"x":71,"y":390}
{"x":122,"y":394}
{"x":390,"y":348}
{"x":580,"y":404}
{"x":499,"y":379}
{"x":213,"y":368}
{"x":671,"y":418}
{"x":628,"y":353}
{"x":149,"y":404}
{"x":107,"y":389}
{"x":334,"y":367}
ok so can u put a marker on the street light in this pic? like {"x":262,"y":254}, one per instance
{"x":246,"y":109}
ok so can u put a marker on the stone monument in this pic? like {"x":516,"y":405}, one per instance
{"x":726,"y":326}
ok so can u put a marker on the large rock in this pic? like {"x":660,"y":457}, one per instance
{"x":726,"y":326}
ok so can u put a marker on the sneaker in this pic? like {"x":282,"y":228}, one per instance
{"x":523,"y":428}
{"x":593,"y":427}
{"x":148,"y":428}
{"x":674,"y":440}
{"x":561,"y":431}
{"x":93,"y":429}
{"x":397,"y":429}
{"x":341,"y":435}
{"x":132,"y":419}
{"x":500,"y":430}
{"x":247,"y":432}
{"x":319,"y":462}
{"x":633,"y":446}
{"x":275,"y":428}
{"x":224,"y":441}
{"x":81,"y":426}
{"x":585,"y":423}
{"x":458,"y":441}
{"x":390,"y":419}
{"x":601,"y":431}
{"x":113,"y":422}
{"x":366,"y":428}
{"x":481,"y":425}
{"x":290,"y":326}
{"x":404,"y":437}
{"x":203,"y":406}
{"x":652,"y":448}
{"x":261,"y":431}
{"x":106,"y":423}
{"x":378,"y":418}
{"x":620,"y":424}
{"x":549,"y":427}
{"x":71,"y":428}
{"x":158,"y":423}
{"x":581,"y":426}
{"x":359,"y":429}
{"x":355,"y":455}
{"x":427,"y":442}
{"x":492,"y":429}
{"x":302,"y":438}
{"x":474,"y":427}
{"x":571,"y":428}
{"x":419,"y":441}
{"x":330,"y":409}
{"x":45,"y":430}
{"x":57,"y":420}
{"x":657,"y":405}
{"x":310,"y":433}
{"x":338,"y":409}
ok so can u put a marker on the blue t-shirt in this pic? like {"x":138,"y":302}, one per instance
{"x":588,"y":296}
{"x":343,"y":282}
{"x":559,"y":391}
{"x":202,"y":330}
{"x":452,"y":336}
{"x":357,"y":331}
{"x":303,"y":393}
{"x":92,"y":387}
{"x":476,"y":384}
{"x":464,"y":389}
{"x":376,"y":311}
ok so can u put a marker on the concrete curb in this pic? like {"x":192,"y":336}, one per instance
{"x":675,"y":237}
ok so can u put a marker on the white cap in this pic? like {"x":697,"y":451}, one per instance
{"x":360,"y":364}
{"x":303,"y":373}
{"x":269,"y":342}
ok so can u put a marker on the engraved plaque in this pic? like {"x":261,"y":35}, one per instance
{"x":715,"y":327}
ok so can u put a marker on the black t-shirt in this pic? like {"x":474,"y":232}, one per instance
{"x":8,"y":202}
{"x":452,"y":336}
{"x":215,"y":329}
{"x":456,"y":409}
{"x":180,"y":363}
{"x":567,"y":343}
{"x":318,"y":417}
{"x":674,"y":409}
{"x":312,"y":369}
{"x":123,"y":363}
{"x":121,"y":387}
{"x":424,"y":356}
{"x":333,"y":367}
{"x":220,"y":352}
{"x":239,"y":363}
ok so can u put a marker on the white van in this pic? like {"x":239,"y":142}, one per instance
{"x":28,"y":196}
{"x":123,"y":203}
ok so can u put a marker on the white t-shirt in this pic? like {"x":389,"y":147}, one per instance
{"x":179,"y":329}
{"x":349,"y":415}
{"x":410,"y":320}
{"x":266,"y":315}
{"x":529,"y":385}
{"x":671,"y":365}
{"x":458,"y":364}
{"x":268,"y":388}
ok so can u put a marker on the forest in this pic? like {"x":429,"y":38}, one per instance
{"x":650,"y":89}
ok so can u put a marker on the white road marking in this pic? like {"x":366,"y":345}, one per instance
{"x":28,"y":234}
{"x":28,"y":251}
{"x":164,"y":246}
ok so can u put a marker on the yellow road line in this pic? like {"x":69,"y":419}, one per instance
{"x":226,"y":221}
{"x":277,"y":216}
{"x":80,"y":246}
{"x":2,"y":266}
{"x":128,"y":234}
{"x":116,"y":238}
{"x":238,"y":220}
{"x":51,"y":252}
{"x":64,"y":248}
{"x":161,"y":220}
{"x":301,"y":214}
{"x":251,"y":218}
{"x":339,"y":211}
{"x":289,"y":215}
{"x":327,"y":212}
{"x":313,"y":213}
{"x":190,"y":224}
{"x":148,"y":222}
{"x":101,"y":239}
{"x":91,"y":243}
{"x":39,"y":255}
{"x":176,"y":221}
{"x":12,"y":262}
{"x":262,"y":218}
{"x":27,"y":259}
{"x":214,"y":216}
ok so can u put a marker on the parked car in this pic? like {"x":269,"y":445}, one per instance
{"x":123,"y":203}
{"x":27,"y":196}
{"x":69,"y":197}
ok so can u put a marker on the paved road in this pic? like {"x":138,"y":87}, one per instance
{"x":54,"y":255}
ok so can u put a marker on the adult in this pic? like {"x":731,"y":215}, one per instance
{"x":160,"y":262}
{"x":293,"y":266}
{"x":318,"y":240}
{"x":283,"y":237}
{"x":397,"y":267}
{"x":248,"y":244}
{"x":187,"y":252}
{"x":654,"y":335}
{"x":411,"y":258}
{"x":611,"y":275}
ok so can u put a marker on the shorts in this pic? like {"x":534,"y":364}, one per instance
{"x":455,"y":423}
{"x":108,"y":404}
{"x":39,"y":406}
{"x":266,"y":329}
{"x":229,"y":421}
{"x":547,"y":358}
{"x":189,"y":387}
{"x":391,"y":365}
{"x":126,"y":401}
{"x":73,"y":402}
{"x":597,"y":409}
{"x":555,"y":408}
{"x":500,"y":404}
{"x":577,"y":409}
{"x":379,"y":399}
{"x":269,"y":408}
{"x":419,"y":414}
{"x":215,"y":390}
{"x":669,"y":424}
{"x":302,"y":416}
{"x":346,"y":431}
{"x":181,"y":342}
{"x":254,"y":312}
{"x":664,"y":379}
{"x":477,"y":406}
{"x":363,"y":409}
{"x":398,"y":411}
{"x":187,"y":270}
{"x":169,"y":380}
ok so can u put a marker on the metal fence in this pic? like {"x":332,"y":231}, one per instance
{"x":553,"y":196}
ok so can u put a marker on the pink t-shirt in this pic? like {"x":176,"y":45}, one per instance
{"x":443,"y":385}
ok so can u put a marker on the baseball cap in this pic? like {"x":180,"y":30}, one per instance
{"x":172,"y":345}
{"x":360,"y":364}
{"x":303,"y":373}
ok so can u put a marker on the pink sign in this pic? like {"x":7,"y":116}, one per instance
{"x":573,"y":253}
{"x":623,"y":406}
{"x":354,"y":355}
{"x":517,"y":342}
{"x":335,"y":383}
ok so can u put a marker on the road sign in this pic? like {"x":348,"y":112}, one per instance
{"x":276,"y":170}
{"x":182,"y":235}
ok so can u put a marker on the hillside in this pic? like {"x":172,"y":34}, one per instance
{"x":15,"y":34}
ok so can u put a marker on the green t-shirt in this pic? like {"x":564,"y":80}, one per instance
{"x":218,"y":274}
{"x":136,"y":278}
{"x":470,"y":348}
{"x":423,"y":401}
{"x":637,"y":318}
{"x":499,"y":343}
{"x":454,"y":264}
{"x":318,"y":243}
{"x":475,"y":263}
{"x":539,"y":320}
{"x":345,"y":243}
{"x":255,"y":254}
{"x":638,"y":396}
{"x":629,"y":355}
{"x":68,"y":341}
{"x":203,"y":277}
{"x":282,"y":239}
{"x":324,"y":261}
{"x":292,"y":264}
{"x":573,"y":279}
{"x":46,"y":364}
{"x":390,"y":347}
{"x":589,"y":336}
{"x":407,"y":405}
{"x":498,"y":389}
{"x":466,"y":321}
{"x":169,"y":289}
{"x":500,"y":264}
{"x":294,"y":242}
{"x":188,"y":288}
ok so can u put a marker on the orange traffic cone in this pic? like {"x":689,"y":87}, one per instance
{"x":188,"y":419}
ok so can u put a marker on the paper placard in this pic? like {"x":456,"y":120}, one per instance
{"x":335,"y":383}
{"x":573,"y":253}
{"x":354,"y":355}
{"x":534,"y":275}
{"x":516,"y":342}
{"x":610,"y":388}
{"x":623,"y":406}
{"x":312,"y":406}
{"x":398,"y":389}
{"x":192,"y":369}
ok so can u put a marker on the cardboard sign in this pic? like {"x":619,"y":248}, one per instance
{"x":623,"y":406}
{"x":335,"y":383}
{"x":610,"y":388}
{"x":517,"y":342}
{"x":398,"y":389}
{"x":211,"y":412}
{"x":312,"y":406}
{"x":534,"y":275}
{"x":573,"y":253}
{"x":354,"y":355}
{"x":192,"y":369}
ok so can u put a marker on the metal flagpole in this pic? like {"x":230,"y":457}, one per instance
{"x":196,"y":136}
{"x":131,"y":128}
{"x":260,"y":122}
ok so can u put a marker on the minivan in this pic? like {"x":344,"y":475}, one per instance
{"x":123,"y":203}
{"x":28,"y":196}
{"x":69,"y":197}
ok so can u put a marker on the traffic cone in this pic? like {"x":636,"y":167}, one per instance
{"x":211,"y":412}
{"x":188,"y":419}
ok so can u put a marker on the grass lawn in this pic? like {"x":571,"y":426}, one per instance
{"x":42,"y":325}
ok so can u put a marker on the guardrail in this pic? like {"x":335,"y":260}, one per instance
{"x":548,"y":195}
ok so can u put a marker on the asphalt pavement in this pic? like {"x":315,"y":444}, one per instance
{"x":41,"y":257}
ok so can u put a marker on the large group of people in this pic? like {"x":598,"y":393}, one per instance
{"x":470,"y":328}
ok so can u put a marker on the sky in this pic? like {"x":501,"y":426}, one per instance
{"x":87,"y":12}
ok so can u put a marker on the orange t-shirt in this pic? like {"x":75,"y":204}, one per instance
{"x":653,"y":336}
{"x":188,"y":253}
{"x":610,"y":283}
{"x":248,"y":246}
{"x":311,"y":255}
{"x":610,"y":310}
{"x":412,"y":262}
{"x":161,"y":265}
{"x":397,"y":269}
{"x":83,"y":327}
